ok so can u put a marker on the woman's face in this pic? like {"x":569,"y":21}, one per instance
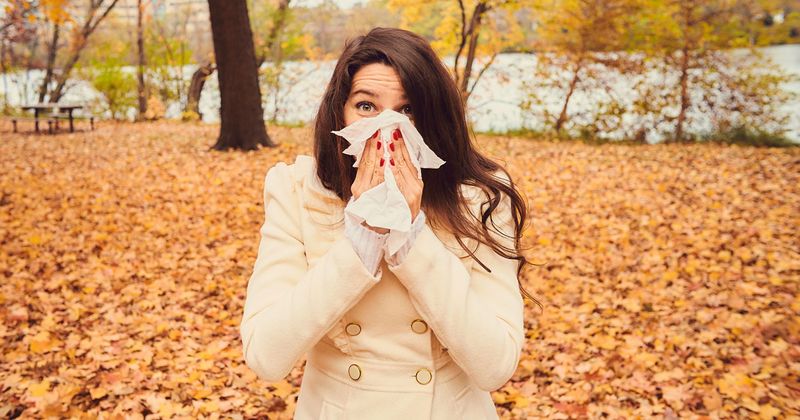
{"x":376,"y":87}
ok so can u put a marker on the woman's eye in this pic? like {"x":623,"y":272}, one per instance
{"x":360,"y":106}
{"x":369,"y":107}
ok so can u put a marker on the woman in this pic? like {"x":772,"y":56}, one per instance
{"x":425,"y":333}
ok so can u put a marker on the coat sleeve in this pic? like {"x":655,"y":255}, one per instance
{"x":477,"y":315}
{"x":289,"y":307}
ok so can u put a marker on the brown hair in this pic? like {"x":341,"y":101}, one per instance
{"x":431,"y":92}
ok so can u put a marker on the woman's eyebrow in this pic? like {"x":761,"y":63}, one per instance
{"x":366,"y":92}
{"x":373,"y":94}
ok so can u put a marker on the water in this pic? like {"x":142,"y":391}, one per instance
{"x":493,"y":106}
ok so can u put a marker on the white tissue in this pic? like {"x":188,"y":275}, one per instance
{"x":384,"y":205}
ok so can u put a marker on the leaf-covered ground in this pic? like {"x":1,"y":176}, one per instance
{"x":669,"y":280}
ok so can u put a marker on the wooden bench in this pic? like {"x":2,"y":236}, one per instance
{"x":55,"y":118}
{"x":52,"y":123}
{"x":15,"y":120}
{"x":61,"y":112}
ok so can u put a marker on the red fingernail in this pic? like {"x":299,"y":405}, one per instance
{"x":391,"y":161}
{"x":396,"y":134}
{"x":381,"y":161}
{"x":391,"y":146}
{"x":376,"y":133}
{"x":379,"y":144}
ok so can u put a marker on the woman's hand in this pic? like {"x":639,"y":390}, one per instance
{"x":405,"y":173}
{"x":370,"y":172}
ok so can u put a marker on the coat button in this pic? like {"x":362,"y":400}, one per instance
{"x":354,"y":371}
{"x":352,"y":328}
{"x":419,"y":326}
{"x":424,"y":376}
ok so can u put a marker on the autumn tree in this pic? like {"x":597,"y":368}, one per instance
{"x":279,"y":35}
{"x":466,"y":30}
{"x":242,"y":116}
{"x":168,"y":51}
{"x":17,"y":27}
{"x":83,"y":20}
{"x":669,"y":69}
{"x":701,"y":79}
{"x":578,"y":43}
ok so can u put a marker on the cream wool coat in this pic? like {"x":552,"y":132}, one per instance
{"x":427,"y":339}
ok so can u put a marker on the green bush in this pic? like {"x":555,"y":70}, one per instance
{"x":749,"y":137}
{"x":117,"y":87}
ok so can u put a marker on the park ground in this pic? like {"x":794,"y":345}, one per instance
{"x":669,"y":277}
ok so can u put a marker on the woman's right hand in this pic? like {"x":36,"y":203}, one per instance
{"x":370,"y":171}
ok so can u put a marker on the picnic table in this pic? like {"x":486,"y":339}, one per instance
{"x":54,"y":108}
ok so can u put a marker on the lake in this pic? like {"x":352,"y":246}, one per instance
{"x":494,"y":105}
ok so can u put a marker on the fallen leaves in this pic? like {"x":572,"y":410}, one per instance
{"x":670,"y":281}
{"x":666,"y":269}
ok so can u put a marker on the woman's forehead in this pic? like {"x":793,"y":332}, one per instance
{"x":377,"y":80}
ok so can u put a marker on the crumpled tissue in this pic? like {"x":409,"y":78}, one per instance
{"x":384,"y":205}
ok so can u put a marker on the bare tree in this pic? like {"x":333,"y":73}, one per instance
{"x":96,"y":12}
{"x":140,"y":68}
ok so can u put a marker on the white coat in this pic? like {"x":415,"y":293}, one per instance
{"x":428,"y":340}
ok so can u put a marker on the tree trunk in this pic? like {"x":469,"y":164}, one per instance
{"x":273,"y":44}
{"x":473,"y":33}
{"x":196,"y":88}
{"x":684,"y":81}
{"x":140,"y":69}
{"x":241,"y":113}
{"x":275,"y":50}
{"x":52,"y":51}
{"x":562,"y":117}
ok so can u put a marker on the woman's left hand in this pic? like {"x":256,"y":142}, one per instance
{"x":405,"y":173}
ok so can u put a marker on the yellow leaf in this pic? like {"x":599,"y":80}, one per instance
{"x":210,"y":407}
{"x":98,"y":393}
{"x":670,"y":275}
{"x":734,"y":384}
{"x":201,"y":393}
{"x":38,"y":390}
{"x":42,"y":343}
{"x":646,"y":359}
{"x":193,"y":377}
{"x":768,"y":412}
{"x":520,"y":401}
{"x":604,"y":341}
{"x":676,"y":373}
{"x":282,"y":389}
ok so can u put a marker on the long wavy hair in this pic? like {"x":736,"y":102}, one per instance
{"x":438,"y":114}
